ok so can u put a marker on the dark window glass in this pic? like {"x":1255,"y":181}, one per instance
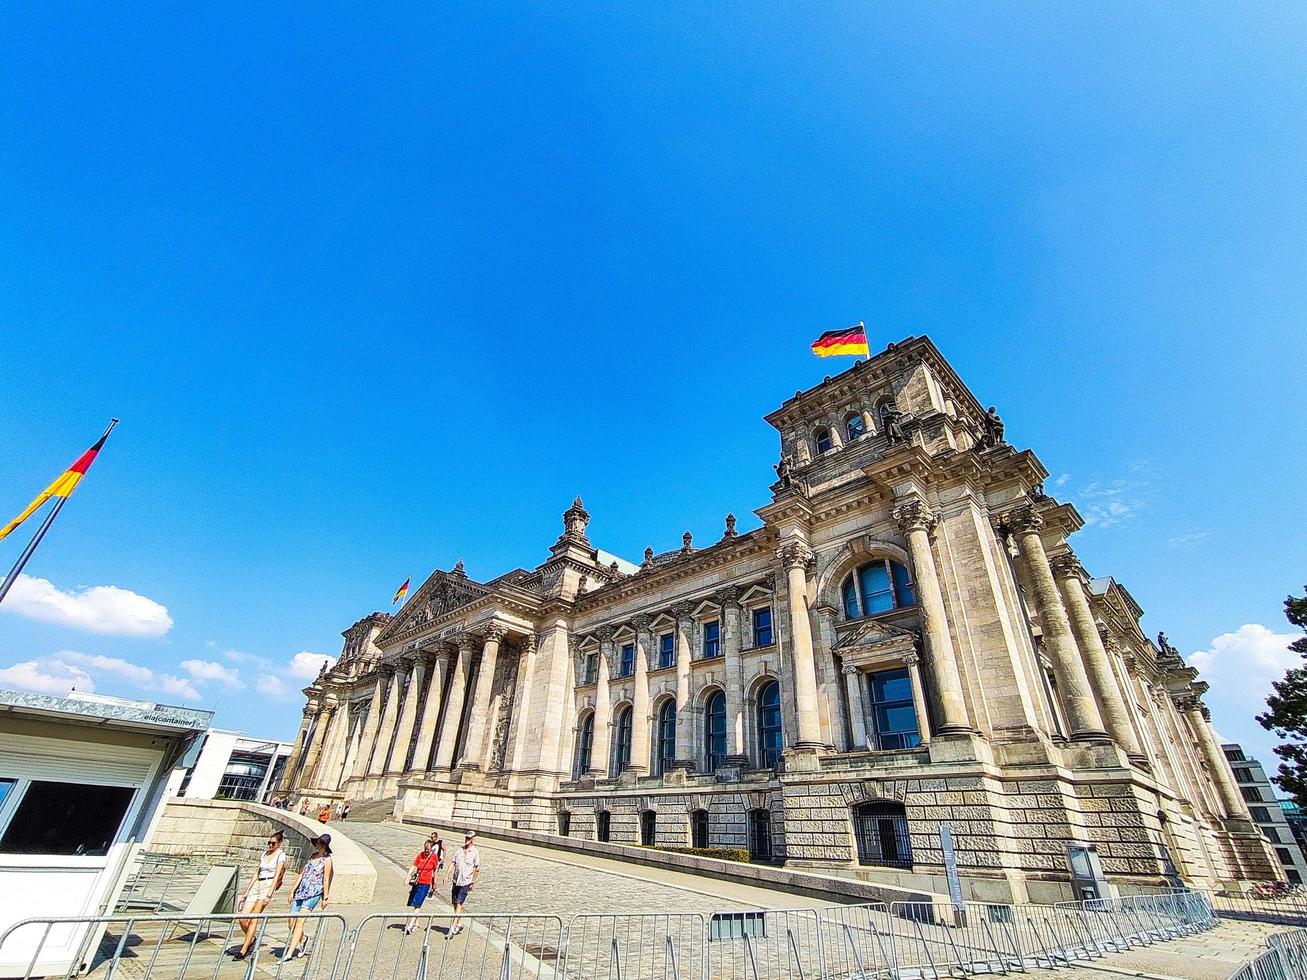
{"x":585,"y":742}
{"x":903,"y":594}
{"x":623,"y":740}
{"x":770,"y":737}
{"x":564,"y":824}
{"x":881,"y":832}
{"x":603,"y":825}
{"x":893,"y":715}
{"x":762,"y":636}
{"x":648,"y":827}
{"x":666,"y":650}
{"x":1251,"y":793}
{"x":712,"y":639}
{"x":1243,"y":775}
{"x":714,"y":724}
{"x":822,"y":438}
{"x":591,"y":668}
{"x":66,"y":818}
{"x":628,"y":660}
{"x":666,"y":736}
{"x":1235,"y":755}
{"x":851,"y":608}
{"x":699,"y":828}
{"x":1293,"y":876}
{"x":854,"y":426}
{"x":1259,"y":814}
{"x":759,"y":835}
{"x":7,"y":787}
{"x":1283,"y":854}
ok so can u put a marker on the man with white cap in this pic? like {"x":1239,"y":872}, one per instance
{"x":466,"y":865}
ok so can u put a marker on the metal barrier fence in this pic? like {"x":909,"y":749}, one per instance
{"x":1285,"y":958}
{"x":160,"y":882}
{"x":861,"y":942}
{"x":175,"y":946}
{"x":427,"y":945}
{"x":1287,"y":909}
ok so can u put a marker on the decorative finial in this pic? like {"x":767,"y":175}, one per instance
{"x":730,"y":526}
{"x":458,"y":569}
{"x":687,"y":544}
{"x":575,"y":519}
{"x":613,"y":567}
{"x":648,"y":556}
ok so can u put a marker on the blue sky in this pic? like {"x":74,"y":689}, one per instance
{"x":373,"y":290}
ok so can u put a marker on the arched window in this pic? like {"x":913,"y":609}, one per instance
{"x":585,"y":738}
{"x":881,"y":830}
{"x":622,"y":750}
{"x":855,"y":426}
{"x":822,"y":439}
{"x":714,"y":732}
{"x":877,"y":587}
{"x":666,"y":737}
{"x":771,"y":739}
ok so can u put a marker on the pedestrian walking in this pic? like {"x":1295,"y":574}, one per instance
{"x":466,"y":868}
{"x":324,"y":814}
{"x":259,"y":892}
{"x":344,"y":811}
{"x":310,"y":894}
{"x":304,"y":806}
{"x":420,"y":880}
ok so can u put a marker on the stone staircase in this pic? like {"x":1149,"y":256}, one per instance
{"x":373,"y":811}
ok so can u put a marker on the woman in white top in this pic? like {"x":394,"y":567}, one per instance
{"x":272,"y":868}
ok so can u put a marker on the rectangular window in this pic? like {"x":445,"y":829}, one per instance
{"x":1243,"y":775}
{"x":893,"y":715}
{"x":1235,"y":755}
{"x":591,"y":668}
{"x":1260,"y":814}
{"x":762,"y":633}
{"x":1251,"y":794}
{"x":666,"y":650}
{"x":712,"y":639}
{"x":628,"y":660}
{"x":67,"y":819}
{"x":1283,"y":854}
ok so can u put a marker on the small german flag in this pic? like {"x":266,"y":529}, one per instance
{"x":852,"y":340}
{"x":401,"y":591}
{"x":63,"y":486}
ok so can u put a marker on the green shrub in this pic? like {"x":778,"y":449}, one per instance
{"x":740,"y":854}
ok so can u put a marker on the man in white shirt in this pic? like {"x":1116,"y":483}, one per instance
{"x":466,"y":866}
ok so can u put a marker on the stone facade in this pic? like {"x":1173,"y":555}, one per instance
{"x":908,"y":639}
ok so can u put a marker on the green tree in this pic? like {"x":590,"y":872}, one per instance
{"x":1288,"y":715}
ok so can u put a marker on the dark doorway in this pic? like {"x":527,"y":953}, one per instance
{"x":699,"y":828}
{"x":603,"y":825}
{"x":759,"y":835}
{"x":881,"y":830}
{"x":648,"y":827}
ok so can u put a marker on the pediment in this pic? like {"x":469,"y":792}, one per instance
{"x":440,"y":595}
{"x":877,"y":637}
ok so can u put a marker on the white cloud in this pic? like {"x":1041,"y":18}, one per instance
{"x":208,"y":670}
{"x":1188,"y":538}
{"x":306,"y":665}
{"x":98,"y":609}
{"x":49,"y":677}
{"x":272,"y":686}
{"x":1062,"y":480}
{"x":1110,"y":503}
{"x":1240,"y":668}
{"x":239,"y":656}
{"x":140,"y":676}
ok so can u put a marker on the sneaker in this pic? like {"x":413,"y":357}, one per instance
{"x":456,"y":930}
{"x":299,"y":953}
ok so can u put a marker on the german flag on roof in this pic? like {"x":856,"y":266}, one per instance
{"x":851,"y":340}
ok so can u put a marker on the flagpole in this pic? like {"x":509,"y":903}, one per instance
{"x":867,"y":356}
{"x":17,"y":570}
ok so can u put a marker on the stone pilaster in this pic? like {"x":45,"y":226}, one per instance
{"x":1067,"y":571}
{"x":433,"y":664}
{"x":639,"y":763}
{"x":794,"y":558}
{"x":408,"y":717}
{"x":461,"y":665}
{"x":915,"y":519}
{"x":368,"y":737}
{"x":389,"y":717}
{"x":474,"y":747}
{"x":297,"y":751}
{"x":521,"y":729}
{"x":1072,"y":681}
{"x":684,"y":717}
{"x":857,"y":709}
{"x":603,"y":706}
{"x":332,"y":716}
{"x":1218,"y":768}
{"x":731,"y":640}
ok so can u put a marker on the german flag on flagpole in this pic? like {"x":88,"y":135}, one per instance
{"x":851,"y":340}
{"x":401,"y":591}
{"x":63,"y":486}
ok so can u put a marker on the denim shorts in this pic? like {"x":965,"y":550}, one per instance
{"x":459,"y":894}
{"x":417,"y":894}
{"x":305,"y":904}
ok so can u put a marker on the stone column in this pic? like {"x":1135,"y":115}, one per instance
{"x":320,"y":751}
{"x":522,"y":734}
{"x":297,"y":751}
{"x":639,"y":763}
{"x":729,"y":599}
{"x":433,"y":664}
{"x":795,"y":559}
{"x":368,"y":739}
{"x":915,"y":519}
{"x":1195,"y":715}
{"x":913,"y":663}
{"x":454,"y":709}
{"x":603,"y":707}
{"x":408,"y":717}
{"x":857,"y":710}
{"x":1102,"y":679}
{"x":684,"y":717}
{"x":389,"y":715}
{"x":474,"y":744}
{"x":1073,"y":683}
